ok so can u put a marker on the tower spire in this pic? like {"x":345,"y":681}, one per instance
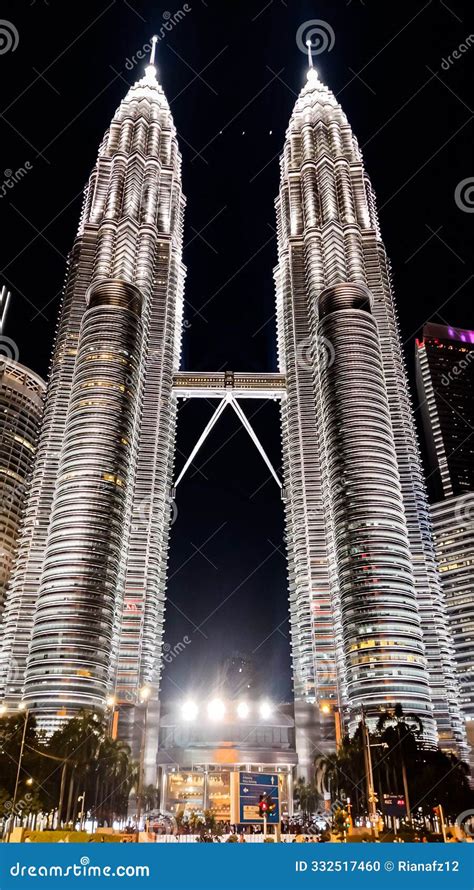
{"x":154,"y":41}
{"x":312,"y":75}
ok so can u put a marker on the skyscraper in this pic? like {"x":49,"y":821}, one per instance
{"x":85,"y":617}
{"x":328,"y":235}
{"x":381,"y":635}
{"x":445,"y":383}
{"x":21,"y":405}
{"x":85,"y":613}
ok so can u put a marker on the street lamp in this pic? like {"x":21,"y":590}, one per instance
{"x":81,"y":799}
{"x":330,"y":707}
{"x":110,"y":704}
{"x":189,"y":710}
{"x":216,"y":709}
{"x":266,"y":710}
{"x":143,"y":696}
{"x":21,"y":707}
{"x":243,"y":710}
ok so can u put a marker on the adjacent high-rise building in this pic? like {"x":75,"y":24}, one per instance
{"x":84,"y":621}
{"x":21,"y":406}
{"x":362,"y":570}
{"x":445,"y":383}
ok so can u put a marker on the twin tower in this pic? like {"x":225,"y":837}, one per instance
{"x":84,"y":615}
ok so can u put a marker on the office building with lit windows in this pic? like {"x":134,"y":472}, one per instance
{"x":445,"y":382}
{"x":21,"y":406}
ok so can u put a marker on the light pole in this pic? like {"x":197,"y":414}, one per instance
{"x":329,"y":707}
{"x":404,"y":775}
{"x":111,"y":703}
{"x":82,"y":799}
{"x":144,"y":696}
{"x":21,"y":707}
{"x":371,"y":796}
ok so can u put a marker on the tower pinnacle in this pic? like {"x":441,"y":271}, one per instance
{"x":150,"y":70}
{"x":154,"y":41}
{"x":312,"y":75}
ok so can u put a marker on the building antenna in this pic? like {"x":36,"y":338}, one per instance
{"x":154,"y":41}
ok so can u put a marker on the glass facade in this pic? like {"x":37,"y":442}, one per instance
{"x":93,"y":549}
{"x":21,"y":406}
{"x":445,"y":384}
{"x":445,"y":381}
{"x":328,"y":234}
{"x":196,"y":760}
{"x":384,"y":659}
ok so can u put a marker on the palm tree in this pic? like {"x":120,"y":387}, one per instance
{"x":93,"y":763}
{"x":343,"y":773}
{"x":305,"y":794}
{"x":115,"y":776}
{"x":400,"y":732}
{"x":77,"y":743}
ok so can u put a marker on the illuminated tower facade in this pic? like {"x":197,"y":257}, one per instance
{"x":329,"y":236}
{"x":84,"y":618}
{"x":85,"y":613}
{"x":21,"y":406}
{"x":444,"y":359}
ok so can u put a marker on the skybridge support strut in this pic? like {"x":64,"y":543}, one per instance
{"x":228,"y":399}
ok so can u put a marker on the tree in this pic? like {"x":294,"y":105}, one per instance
{"x":341,"y":823}
{"x":400,"y":733}
{"x":195,"y":821}
{"x":401,"y":763}
{"x":210,"y":820}
{"x":34,"y":774}
{"x":343,"y":773}
{"x":95,"y":765}
{"x":306,"y":796}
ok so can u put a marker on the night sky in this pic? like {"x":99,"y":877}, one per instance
{"x":231,"y":72}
